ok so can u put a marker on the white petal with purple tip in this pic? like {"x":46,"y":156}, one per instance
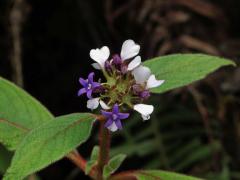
{"x":144,"y":109}
{"x":153,"y":82}
{"x":93,"y":103}
{"x":134,"y":63}
{"x":129,"y":49}
{"x":141,"y":74}
{"x":100,"y":55}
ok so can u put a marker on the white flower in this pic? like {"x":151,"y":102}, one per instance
{"x":104,"y":105}
{"x":100,"y":55}
{"x":129,"y":49}
{"x":134,"y":63}
{"x":144,"y":109}
{"x":94,"y":103}
{"x":152,"y":82}
{"x":113,"y":127}
{"x":141,"y":74}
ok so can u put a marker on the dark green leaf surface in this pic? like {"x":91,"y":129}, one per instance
{"x":182,"y":69}
{"x":113,"y":165}
{"x":161,"y":175}
{"x":49,"y":143}
{"x":19,"y":112}
{"x":93,"y":159}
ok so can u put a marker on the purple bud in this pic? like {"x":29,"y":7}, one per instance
{"x":108,"y":66}
{"x":99,"y":89}
{"x":124,"y":68}
{"x":117,"y":60}
{"x":145,"y":94}
{"x":137,"y":89}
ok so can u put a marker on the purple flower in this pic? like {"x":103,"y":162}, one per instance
{"x":88,"y":86}
{"x":114,"y":118}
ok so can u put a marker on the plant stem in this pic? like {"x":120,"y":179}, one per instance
{"x":104,"y":143}
{"x":80,"y":162}
{"x":17,"y":17}
{"x":77,"y":159}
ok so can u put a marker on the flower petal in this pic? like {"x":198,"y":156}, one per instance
{"x":113,"y":127}
{"x":96,"y":66}
{"x":144,"y":109}
{"x":134,"y":63}
{"x":95,"y":85}
{"x":108,"y":123}
{"x":106,"y":114}
{"x":104,"y":105}
{"x":89,"y":93}
{"x":90,"y":77}
{"x":81,"y":91}
{"x":129,"y":49}
{"x":118,"y":124}
{"x":153,"y":82}
{"x":141,"y":74}
{"x":100,"y":55}
{"x":123,"y":115}
{"x":115,"y":109}
{"x":83,"y":82}
{"x":93,"y":103}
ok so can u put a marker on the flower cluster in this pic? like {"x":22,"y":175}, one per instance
{"x":127,"y":85}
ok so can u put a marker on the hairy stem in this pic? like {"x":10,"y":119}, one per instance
{"x":80,"y":162}
{"x":104,"y":143}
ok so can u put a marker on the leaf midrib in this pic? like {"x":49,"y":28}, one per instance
{"x":15,"y":125}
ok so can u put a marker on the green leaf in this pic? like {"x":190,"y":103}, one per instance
{"x":162,"y":175}
{"x":49,"y":143}
{"x":154,"y":175}
{"x":19,"y":113}
{"x":93,"y":159}
{"x":182,"y":69}
{"x":113,"y":165}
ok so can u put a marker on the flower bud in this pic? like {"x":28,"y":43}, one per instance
{"x":145,"y":94}
{"x":137,"y":89}
{"x":108,"y":66}
{"x":116,"y":60}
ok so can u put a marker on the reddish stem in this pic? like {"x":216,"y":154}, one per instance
{"x":104,"y":143}
{"x":80,"y":162}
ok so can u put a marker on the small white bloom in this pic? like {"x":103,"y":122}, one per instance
{"x":134,"y":63}
{"x":100,"y":55}
{"x":129,"y":49}
{"x":152,"y":82}
{"x":141,"y":74}
{"x":96,"y":66}
{"x":144,"y":109}
{"x":93,"y":103}
{"x":113,"y":127}
{"x":104,"y":105}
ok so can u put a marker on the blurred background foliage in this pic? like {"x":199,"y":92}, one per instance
{"x":44,"y":47}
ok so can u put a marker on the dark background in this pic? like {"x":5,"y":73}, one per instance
{"x":198,"y":127}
